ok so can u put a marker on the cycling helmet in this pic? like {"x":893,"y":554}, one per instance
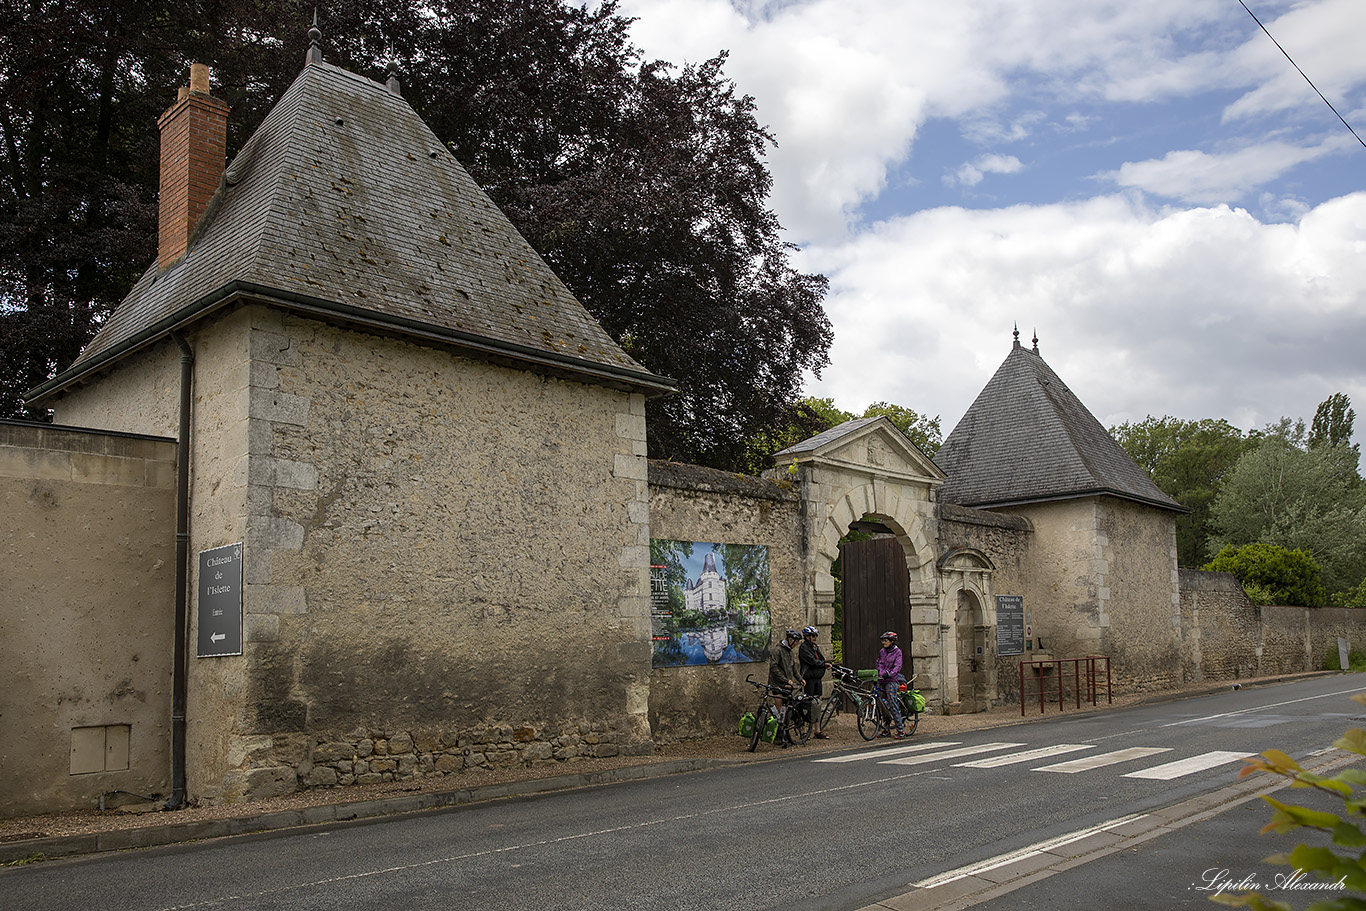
{"x":888,"y":635}
{"x":793,"y":634}
{"x":810,"y":631}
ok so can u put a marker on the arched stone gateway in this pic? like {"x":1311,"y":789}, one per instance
{"x":868,"y":471}
{"x":969,"y":629}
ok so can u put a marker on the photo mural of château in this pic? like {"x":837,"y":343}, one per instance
{"x":708,"y":602}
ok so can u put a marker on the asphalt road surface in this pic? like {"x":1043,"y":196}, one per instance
{"x":880,"y":824}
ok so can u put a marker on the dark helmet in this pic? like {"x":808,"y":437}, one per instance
{"x":793,"y":634}
{"x":888,"y":635}
{"x":810,"y":631}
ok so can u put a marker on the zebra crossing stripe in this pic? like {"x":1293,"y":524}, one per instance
{"x":896,"y":751}
{"x":1086,"y":763}
{"x":950,"y":754}
{"x":1026,"y":756}
{"x":1187,"y":766}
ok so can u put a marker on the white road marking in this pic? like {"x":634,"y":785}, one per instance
{"x":1188,"y":766}
{"x":950,"y":754}
{"x":1101,"y":760}
{"x":1002,"y":860}
{"x":1260,"y":708}
{"x":896,"y":751}
{"x":1026,"y":756}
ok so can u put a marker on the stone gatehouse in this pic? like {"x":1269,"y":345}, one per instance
{"x":434,"y":462}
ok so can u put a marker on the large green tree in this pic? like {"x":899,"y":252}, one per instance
{"x":811,"y":416}
{"x":1188,"y":460}
{"x":1287,"y":492}
{"x":644,"y":185}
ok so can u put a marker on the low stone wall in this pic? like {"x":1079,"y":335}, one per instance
{"x":1227,"y":637}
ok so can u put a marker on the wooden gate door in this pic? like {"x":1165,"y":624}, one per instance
{"x":877,"y":594}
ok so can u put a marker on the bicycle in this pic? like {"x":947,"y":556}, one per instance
{"x":875,"y":715}
{"x":846,"y":689}
{"x":798,"y":725}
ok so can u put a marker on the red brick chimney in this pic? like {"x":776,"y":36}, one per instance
{"x":194,"y":144}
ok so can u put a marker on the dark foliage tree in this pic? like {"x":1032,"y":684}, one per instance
{"x":644,"y":186}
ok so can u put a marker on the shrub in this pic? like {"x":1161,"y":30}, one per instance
{"x":1271,"y":574}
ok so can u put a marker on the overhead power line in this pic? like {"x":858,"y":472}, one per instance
{"x":1301,"y":72}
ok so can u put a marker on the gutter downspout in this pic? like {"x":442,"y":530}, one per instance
{"x":180,"y":667}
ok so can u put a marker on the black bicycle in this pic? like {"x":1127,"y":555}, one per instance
{"x":848,"y":693}
{"x":798,"y":724}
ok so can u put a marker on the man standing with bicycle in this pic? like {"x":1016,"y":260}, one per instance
{"x":888,"y":669}
{"x":782,"y":671}
{"x":812,"y":667}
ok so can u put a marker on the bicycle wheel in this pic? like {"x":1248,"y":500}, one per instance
{"x":829,"y":713}
{"x":912,"y":722}
{"x":869,"y":717}
{"x":760,"y":719}
{"x":799,"y":724}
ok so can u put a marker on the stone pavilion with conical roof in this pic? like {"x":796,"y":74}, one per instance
{"x":1096,"y":561}
{"x":431,"y":454}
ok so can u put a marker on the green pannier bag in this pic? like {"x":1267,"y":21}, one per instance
{"x":747,"y":724}
{"x":770,"y":729}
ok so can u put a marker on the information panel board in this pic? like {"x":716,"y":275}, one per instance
{"x":708,"y":602}
{"x":1010,"y":625}
{"x":220,"y":602}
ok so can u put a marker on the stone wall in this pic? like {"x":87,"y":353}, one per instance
{"x":87,"y":607}
{"x":1227,"y":637}
{"x":689,"y":503}
{"x":435,"y":547}
{"x":1102,"y":580}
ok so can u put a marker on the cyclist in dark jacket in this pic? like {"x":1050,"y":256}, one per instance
{"x":813,"y":666}
{"x":782,"y":671}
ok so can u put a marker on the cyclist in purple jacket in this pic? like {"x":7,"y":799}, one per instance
{"x":888,"y":669}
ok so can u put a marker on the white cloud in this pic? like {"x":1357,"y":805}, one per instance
{"x":970,"y":174}
{"x":1202,"y":177}
{"x":1197,"y":313}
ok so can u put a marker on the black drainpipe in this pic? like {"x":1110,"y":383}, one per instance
{"x":182,"y":579}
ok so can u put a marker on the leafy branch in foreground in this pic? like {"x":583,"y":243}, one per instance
{"x":1347,"y":868}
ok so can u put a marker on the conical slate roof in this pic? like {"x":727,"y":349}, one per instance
{"x":1027,"y":438}
{"x":345,"y":205}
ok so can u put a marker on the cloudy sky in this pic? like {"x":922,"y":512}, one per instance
{"x":1151,"y":186}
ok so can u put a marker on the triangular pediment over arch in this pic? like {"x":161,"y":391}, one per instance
{"x":868,"y":446}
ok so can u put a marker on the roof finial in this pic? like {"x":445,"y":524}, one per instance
{"x":1036,"y":341}
{"x":315,"y":37}
{"x":394,"y":86}
{"x":1016,"y":333}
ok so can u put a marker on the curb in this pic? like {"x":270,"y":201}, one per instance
{"x":36,"y":849}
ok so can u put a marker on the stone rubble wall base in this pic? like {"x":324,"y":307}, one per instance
{"x":369,"y":757}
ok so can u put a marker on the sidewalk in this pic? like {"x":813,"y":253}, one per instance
{"x":32,"y":839}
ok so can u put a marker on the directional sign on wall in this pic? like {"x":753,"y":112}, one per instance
{"x":220,"y":601}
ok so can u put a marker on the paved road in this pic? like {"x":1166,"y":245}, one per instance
{"x":840,"y":831}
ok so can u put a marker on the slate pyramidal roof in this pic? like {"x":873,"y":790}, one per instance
{"x":1027,"y":439}
{"x":345,"y":206}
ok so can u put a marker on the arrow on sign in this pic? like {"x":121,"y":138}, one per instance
{"x":216,"y":637}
